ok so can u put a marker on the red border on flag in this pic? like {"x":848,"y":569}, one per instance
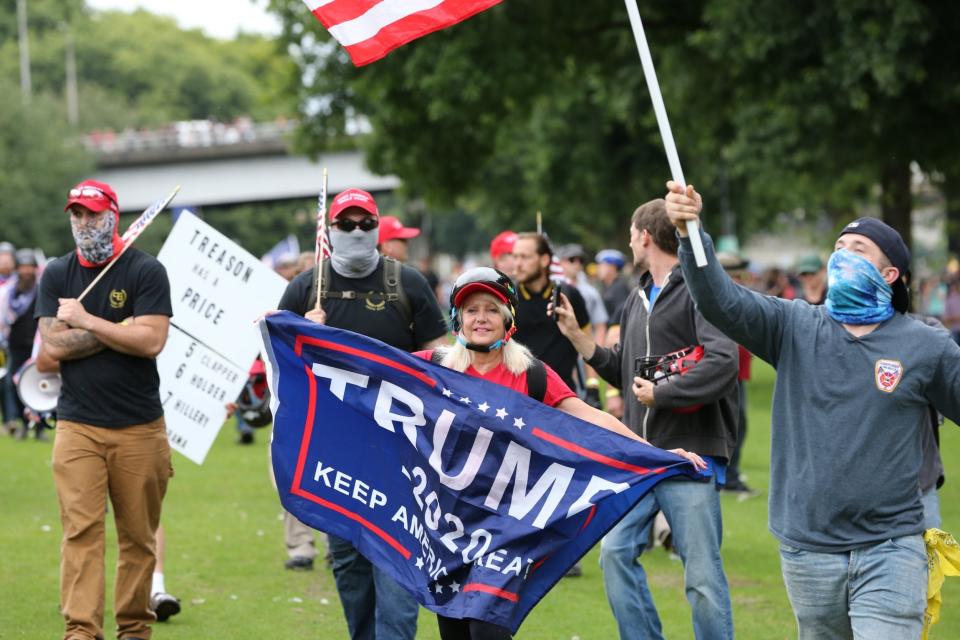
{"x":493,"y":591}
{"x":593,"y":455}
{"x":366,"y":355}
{"x":297,"y":490}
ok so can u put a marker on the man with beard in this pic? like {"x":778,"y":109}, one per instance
{"x":19,"y":328}
{"x":696,"y":410}
{"x":537,"y":330}
{"x":111,"y":439}
{"x":383,"y":299}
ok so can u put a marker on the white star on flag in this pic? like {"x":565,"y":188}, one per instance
{"x":419,"y":563}
{"x":502,"y":413}
{"x":483,"y":407}
{"x":455,"y":586}
{"x":447,"y":393}
{"x":518,"y":423}
{"x":438,"y":588}
{"x":465,"y":400}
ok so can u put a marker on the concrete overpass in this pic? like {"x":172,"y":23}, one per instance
{"x":217,"y":164}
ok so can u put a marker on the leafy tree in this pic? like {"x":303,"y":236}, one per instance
{"x":37,"y":167}
{"x":803,"y":107}
{"x":139,"y":69}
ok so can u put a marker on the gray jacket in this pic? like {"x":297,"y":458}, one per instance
{"x":696,"y":411}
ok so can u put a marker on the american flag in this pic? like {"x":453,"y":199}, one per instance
{"x":323,"y":244}
{"x":370,"y":29}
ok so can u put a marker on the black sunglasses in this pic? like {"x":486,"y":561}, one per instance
{"x":366,"y":224}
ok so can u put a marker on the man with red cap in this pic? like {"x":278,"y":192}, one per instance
{"x":501,"y":252}
{"x":394,"y":236}
{"x":381,"y":298}
{"x":111,"y":438}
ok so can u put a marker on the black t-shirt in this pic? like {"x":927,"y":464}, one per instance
{"x":539,"y":332}
{"x":614,"y":298}
{"x":386,"y":322}
{"x":109,"y":388}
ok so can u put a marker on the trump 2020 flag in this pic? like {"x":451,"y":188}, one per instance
{"x":475,"y":498}
{"x":370,"y":29}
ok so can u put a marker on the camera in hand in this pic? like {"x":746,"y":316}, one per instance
{"x":659,"y":368}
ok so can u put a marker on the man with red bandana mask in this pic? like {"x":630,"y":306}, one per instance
{"x":111,"y":438}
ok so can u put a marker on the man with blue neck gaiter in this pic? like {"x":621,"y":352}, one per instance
{"x":854,"y":380}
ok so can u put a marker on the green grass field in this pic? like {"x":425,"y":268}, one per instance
{"x":225,"y":555}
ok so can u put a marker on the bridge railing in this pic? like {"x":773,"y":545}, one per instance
{"x":186,"y":135}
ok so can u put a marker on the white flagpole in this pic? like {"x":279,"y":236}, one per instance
{"x":131,"y":234}
{"x":661,"y":112}
{"x":321,"y":233}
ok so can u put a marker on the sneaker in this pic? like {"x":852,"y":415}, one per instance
{"x":574,"y":572}
{"x":164,"y":605}
{"x":246,"y":437}
{"x":299,"y":563}
{"x":742,"y":490}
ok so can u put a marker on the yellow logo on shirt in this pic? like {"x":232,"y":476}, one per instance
{"x":118,"y":298}
{"x":375,"y":306}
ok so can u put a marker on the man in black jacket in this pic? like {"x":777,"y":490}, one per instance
{"x":693,"y":405}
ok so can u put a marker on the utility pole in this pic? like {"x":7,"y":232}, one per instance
{"x":73,"y":103}
{"x":25,"y":86}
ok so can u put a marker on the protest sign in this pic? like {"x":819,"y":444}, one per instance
{"x":196,"y":383}
{"x":218,"y":290}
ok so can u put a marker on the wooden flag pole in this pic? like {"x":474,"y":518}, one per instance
{"x":321,"y":233}
{"x":130,"y":236}
{"x":661,"y":112}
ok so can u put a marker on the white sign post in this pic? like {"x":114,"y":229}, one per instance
{"x":218,"y":290}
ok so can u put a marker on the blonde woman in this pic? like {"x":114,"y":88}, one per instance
{"x":483,"y":308}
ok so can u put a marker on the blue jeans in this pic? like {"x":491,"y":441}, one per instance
{"x":931,"y":509}
{"x":693,"y":511}
{"x":375,"y":606}
{"x":878,"y":591}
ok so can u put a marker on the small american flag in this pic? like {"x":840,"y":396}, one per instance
{"x":323,"y":243}
{"x":370,"y":29}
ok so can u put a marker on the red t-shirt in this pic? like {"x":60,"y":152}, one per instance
{"x":557,"y":390}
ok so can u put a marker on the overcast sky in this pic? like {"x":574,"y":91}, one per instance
{"x":218,"y":18}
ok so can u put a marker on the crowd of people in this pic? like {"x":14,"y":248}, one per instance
{"x":660,"y":357}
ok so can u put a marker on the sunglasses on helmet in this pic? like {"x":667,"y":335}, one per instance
{"x":90,"y":192}
{"x":366,"y":224}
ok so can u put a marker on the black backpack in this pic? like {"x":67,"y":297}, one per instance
{"x":392,"y":289}
{"x":536,"y":377}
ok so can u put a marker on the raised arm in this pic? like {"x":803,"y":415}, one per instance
{"x":606,"y":362}
{"x":756,"y":321}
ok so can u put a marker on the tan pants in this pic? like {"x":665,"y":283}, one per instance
{"x":130,"y":465}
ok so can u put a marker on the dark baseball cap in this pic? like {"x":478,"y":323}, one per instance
{"x":892,"y":246}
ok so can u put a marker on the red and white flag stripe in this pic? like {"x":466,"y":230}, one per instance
{"x":370,"y":29}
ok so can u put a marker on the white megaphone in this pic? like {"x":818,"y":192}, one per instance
{"x":38,"y":391}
